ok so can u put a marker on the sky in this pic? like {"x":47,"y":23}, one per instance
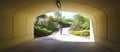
{"x":68,"y":15}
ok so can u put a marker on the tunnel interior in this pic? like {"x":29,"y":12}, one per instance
{"x":17,"y":19}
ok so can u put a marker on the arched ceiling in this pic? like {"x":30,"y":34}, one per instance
{"x":29,"y":9}
{"x":36,"y":5}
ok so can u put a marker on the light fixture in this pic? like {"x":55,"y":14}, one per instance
{"x":58,"y":3}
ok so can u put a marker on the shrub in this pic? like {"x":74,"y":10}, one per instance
{"x":86,"y":33}
{"x":81,"y":33}
{"x":78,"y":33}
{"x":45,"y":31}
{"x":52,"y":27}
{"x":39,"y":32}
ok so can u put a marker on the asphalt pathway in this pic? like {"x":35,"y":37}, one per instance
{"x":66,"y":36}
{"x":57,"y":42}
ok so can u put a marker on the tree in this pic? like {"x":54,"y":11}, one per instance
{"x":67,"y":20}
{"x":58,"y":16}
{"x":80,"y":23}
{"x":50,"y":19}
{"x":41,"y":16}
{"x":86,"y":24}
{"x":80,"y":18}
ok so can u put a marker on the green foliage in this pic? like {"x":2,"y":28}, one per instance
{"x":52,"y":26}
{"x":80,"y":23}
{"x":42,"y":16}
{"x":46,"y":27}
{"x":50,"y":19}
{"x":81,"y":33}
{"x":75,"y":26}
{"x":39,"y":17}
{"x":86,"y":33}
{"x":80,"y":18}
{"x":58,"y":16}
{"x":39,"y":32}
{"x":78,"y":33}
{"x":67,"y":20}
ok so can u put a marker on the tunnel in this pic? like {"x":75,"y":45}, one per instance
{"x":17,"y":19}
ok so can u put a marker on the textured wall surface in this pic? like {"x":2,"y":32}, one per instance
{"x":17,"y":19}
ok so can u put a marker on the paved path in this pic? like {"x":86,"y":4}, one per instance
{"x":57,"y":43}
{"x":66,"y":36}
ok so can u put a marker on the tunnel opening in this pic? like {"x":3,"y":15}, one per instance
{"x":64,"y":26}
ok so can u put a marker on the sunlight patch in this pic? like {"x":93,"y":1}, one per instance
{"x":67,"y":37}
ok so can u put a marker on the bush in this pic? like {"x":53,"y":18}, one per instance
{"x":80,"y":23}
{"x":78,"y":33}
{"x":52,"y":27}
{"x":81,"y":33}
{"x":39,"y":32}
{"x":45,"y":31}
{"x":86,"y":33}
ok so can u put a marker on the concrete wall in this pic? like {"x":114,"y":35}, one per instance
{"x":16,"y":25}
{"x":17,"y":21}
{"x":17,"y":18}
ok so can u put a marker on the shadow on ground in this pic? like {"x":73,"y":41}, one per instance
{"x":47,"y":44}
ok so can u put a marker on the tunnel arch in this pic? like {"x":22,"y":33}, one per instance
{"x":97,"y":16}
{"x":17,"y":17}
